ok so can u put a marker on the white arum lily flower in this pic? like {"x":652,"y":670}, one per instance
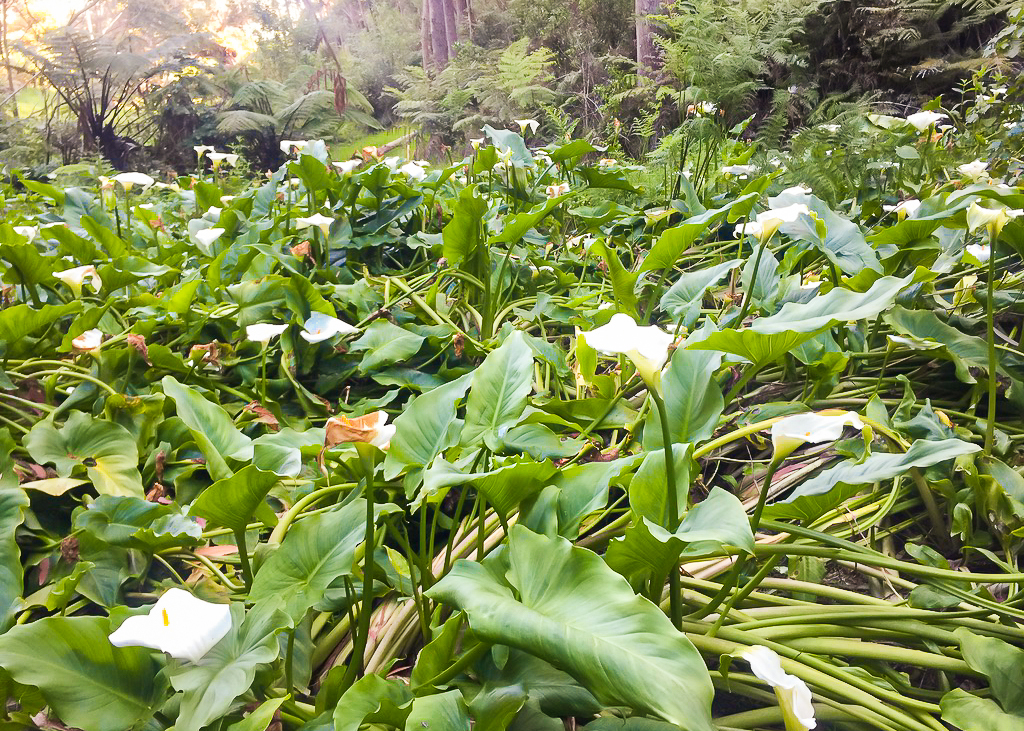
{"x":993,"y":219}
{"x":29,"y":232}
{"x":740,"y":171}
{"x":413,"y":171}
{"x":264,"y":332}
{"x":765,"y":224}
{"x":348,"y":166}
{"x":218,"y":157}
{"x":76,"y":277}
{"x":179,"y":624}
{"x":370,"y":429}
{"x":981,"y":252}
{"x":202,"y":150}
{"x":392,"y":162}
{"x":476,"y":142}
{"x":647,"y":347}
{"x":554,"y":191}
{"x":207,"y":236}
{"x":296,"y":146}
{"x":88,"y":341}
{"x":793,"y":694}
{"x":607,"y":162}
{"x":811,"y":428}
{"x":317,"y":219}
{"x":320,"y":327}
{"x":800,"y":189}
{"x":533,"y":124}
{"x":127,"y":180}
{"x":923,"y":120}
{"x":975,"y":170}
{"x":904,"y":209}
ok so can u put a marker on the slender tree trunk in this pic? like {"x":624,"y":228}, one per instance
{"x":425,"y":49}
{"x":438,"y":34}
{"x":647,"y":60}
{"x":6,"y":50}
{"x":451,"y":27}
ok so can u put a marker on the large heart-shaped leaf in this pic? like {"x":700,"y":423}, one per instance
{"x":692,"y":398}
{"x":385,"y":344}
{"x":576,"y":613}
{"x":12,"y":512}
{"x":231,"y":502}
{"x":500,"y":389}
{"x":131,"y":522}
{"x":106,"y":450}
{"x":211,"y":427}
{"x":88,"y":682}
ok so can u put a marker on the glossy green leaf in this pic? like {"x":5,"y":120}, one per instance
{"x":13,"y":503}
{"x":131,"y":522}
{"x":464,"y":234}
{"x":372,"y":699}
{"x":688,"y":291}
{"x":384,"y":344}
{"x":210,"y":426}
{"x":1000,"y":662}
{"x":576,"y":613}
{"x":439,"y":712}
{"x":233,"y":501}
{"x":692,"y":398}
{"x":968,"y":712}
{"x":498,"y":395}
{"x":674,"y":241}
{"x":426,"y":427}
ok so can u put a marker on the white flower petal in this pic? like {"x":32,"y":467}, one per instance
{"x":320,"y":327}
{"x":179,"y":624}
{"x":127,"y":180}
{"x":813,"y":428}
{"x":647,"y":347}
{"x":264,"y":332}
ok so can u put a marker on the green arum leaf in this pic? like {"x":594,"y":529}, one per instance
{"x":1002,"y":664}
{"x":233,"y":501}
{"x":968,"y":712}
{"x":20,"y":321}
{"x":13,"y":503}
{"x":385,"y":344}
{"x":106,"y":451}
{"x":507,"y":140}
{"x":438,"y":654}
{"x":692,"y":398}
{"x":210,"y":426}
{"x":261,"y":718}
{"x":517,"y":226}
{"x":843,"y":243}
{"x":576,"y":613}
{"x":806,"y":503}
{"x":583,"y":489}
{"x":23,"y":264}
{"x":439,"y":712}
{"x":767,"y":282}
{"x":111,"y":243}
{"x":282,"y":452}
{"x":649,"y":550}
{"x":89,"y":683}
{"x":130,"y":522}
{"x":499,"y":392}
{"x":315,"y":553}
{"x":648,"y":496}
{"x":505,"y":487}
{"x":425,"y":428}
{"x":539,"y":442}
{"x":623,"y":281}
{"x":769,"y":338}
{"x":597,"y":177}
{"x":373,"y":700}
{"x":226,"y":671}
{"x":464,"y":234}
{"x":571,"y":151}
{"x":682,"y":300}
{"x":674,"y":241}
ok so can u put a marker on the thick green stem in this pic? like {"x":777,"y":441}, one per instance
{"x":671,"y":504}
{"x":362,"y":632}
{"x":990,"y":327}
{"x":243,"y":555}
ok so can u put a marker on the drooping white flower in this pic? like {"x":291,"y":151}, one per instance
{"x":792,"y":693}
{"x":218,"y":157}
{"x":207,"y":236}
{"x":392,"y":162}
{"x":202,"y":150}
{"x":297,"y":146}
{"x":29,"y":232}
{"x":904,"y":209}
{"x":981,"y":252}
{"x":127,"y":180}
{"x":89,"y":340}
{"x":533,"y":124}
{"x":993,"y":219}
{"x":923,"y":120}
{"x":320,"y":327}
{"x":975,"y":170}
{"x":647,"y":347}
{"x":811,"y":428}
{"x":264,"y":332}
{"x":740,"y":171}
{"x":369,"y":429}
{"x":476,"y":142}
{"x":348,"y":166}
{"x":179,"y":624}
{"x":554,"y":191}
{"x":413,"y":171}
{"x":317,"y":219}
{"x":77,"y":276}
{"x":766,"y":223}
{"x":606,"y":162}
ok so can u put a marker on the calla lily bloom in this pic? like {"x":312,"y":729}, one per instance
{"x":317,"y":219}
{"x":993,"y":219}
{"x":348,"y":166}
{"x":296,"y":146}
{"x":76,"y":277}
{"x":203,"y":149}
{"x":765,"y":224}
{"x":413,"y":171}
{"x":647,"y":347}
{"x":981,"y":252}
{"x":264,"y":332}
{"x":740,"y":171}
{"x":370,"y":429}
{"x":793,"y":694}
{"x":29,"y":232}
{"x":320,"y":327}
{"x":476,"y":142}
{"x":813,"y":428}
{"x":208,"y":235}
{"x":975,"y":170}
{"x":127,"y":180}
{"x":554,"y":191}
{"x":218,"y":157}
{"x":179,"y":624}
{"x":923,"y":120}
{"x":88,"y":341}
{"x":533,"y":124}
{"x":904,"y":209}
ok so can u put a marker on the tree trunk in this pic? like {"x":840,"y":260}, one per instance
{"x":438,"y":34}
{"x":6,"y":50}
{"x":451,"y":27}
{"x":647,"y":60}
{"x":425,"y":49}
